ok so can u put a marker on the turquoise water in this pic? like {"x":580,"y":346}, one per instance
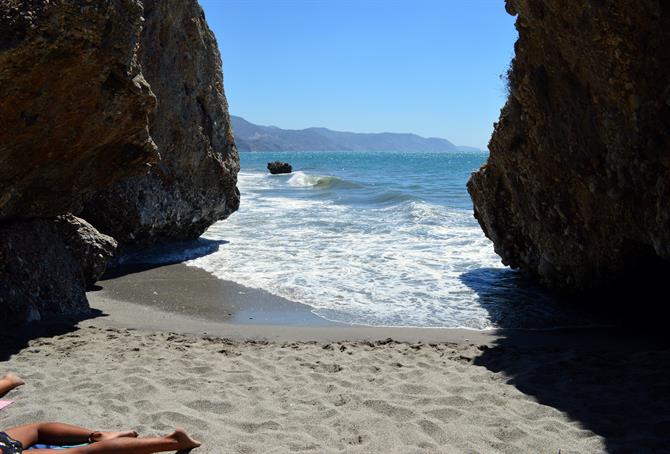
{"x":370,"y":180}
{"x":385,"y":239}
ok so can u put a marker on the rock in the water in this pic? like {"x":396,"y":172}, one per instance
{"x":279,"y":167}
{"x":576,"y":191}
{"x":75,"y":107}
{"x":194,"y":184}
{"x":46,"y":265}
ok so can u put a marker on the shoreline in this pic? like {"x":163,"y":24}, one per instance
{"x":176,"y":298}
{"x":187,"y":300}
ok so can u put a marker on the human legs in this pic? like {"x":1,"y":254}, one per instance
{"x":55,"y":433}
{"x":9,"y":382}
{"x":177,"y":441}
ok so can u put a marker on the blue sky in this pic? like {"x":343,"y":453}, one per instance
{"x":430,"y":67}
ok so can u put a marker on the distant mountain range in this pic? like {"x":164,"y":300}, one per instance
{"x":251,"y":137}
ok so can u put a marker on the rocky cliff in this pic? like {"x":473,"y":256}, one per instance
{"x":75,"y":107}
{"x":194,"y":184}
{"x":576,"y":191}
{"x":81,"y":129}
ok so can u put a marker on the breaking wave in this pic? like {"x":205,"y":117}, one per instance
{"x":301,"y":179}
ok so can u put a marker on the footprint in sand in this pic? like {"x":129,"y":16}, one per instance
{"x":386,"y":409}
{"x":200,"y":369}
{"x":252,"y":427}
{"x":172,"y":419}
{"x":323,"y":367}
{"x":445,"y":415}
{"x":433,"y":430}
{"x":216,"y":407}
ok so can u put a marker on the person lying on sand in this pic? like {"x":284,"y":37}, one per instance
{"x":16,"y":439}
{"x":9,"y":382}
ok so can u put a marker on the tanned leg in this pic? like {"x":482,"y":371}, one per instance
{"x":9,"y":382}
{"x":54,"y":433}
{"x":177,"y":441}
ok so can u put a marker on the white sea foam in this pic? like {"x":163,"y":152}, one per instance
{"x":302,"y":179}
{"x":369,"y":246}
{"x":399,"y":265}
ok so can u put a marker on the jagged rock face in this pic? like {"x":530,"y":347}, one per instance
{"x":77,"y":115}
{"x":91,"y":249}
{"x":74,"y":105}
{"x":46,"y":266}
{"x":576,"y":191}
{"x":194,"y":184}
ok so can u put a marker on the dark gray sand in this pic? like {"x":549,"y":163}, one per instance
{"x":184,"y":299}
{"x":192,"y":292}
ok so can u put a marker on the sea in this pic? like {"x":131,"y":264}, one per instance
{"x":372,"y":238}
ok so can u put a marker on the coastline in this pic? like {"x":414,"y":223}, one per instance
{"x":176,"y":298}
{"x":187,"y":300}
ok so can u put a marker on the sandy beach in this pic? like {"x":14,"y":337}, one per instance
{"x":272,"y":378}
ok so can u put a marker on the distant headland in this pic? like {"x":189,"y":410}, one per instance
{"x":252,"y":137}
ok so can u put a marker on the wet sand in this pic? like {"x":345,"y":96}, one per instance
{"x":184,"y":299}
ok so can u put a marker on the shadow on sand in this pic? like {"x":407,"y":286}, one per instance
{"x":164,"y":254}
{"x":512,"y":301}
{"x":15,"y":339}
{"x":612,"y":381}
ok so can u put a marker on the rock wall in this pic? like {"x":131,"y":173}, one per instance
{"x":194,"y":184}
{"x":75,"y":117}
{"x":75,"y":107}
{"x":79,"y":134}
{"x":576,"y":191}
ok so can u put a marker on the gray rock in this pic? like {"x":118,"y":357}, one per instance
{"x":75,"y":107}
{"x":194,"y":184}
{"x":91,"y":249}
{"x":45,"y":266}
{"x":76,"y":116}
{"x":277,"y":167}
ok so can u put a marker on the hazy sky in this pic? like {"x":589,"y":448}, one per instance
{"x":430,"y":67}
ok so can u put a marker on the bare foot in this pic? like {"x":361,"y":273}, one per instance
{"x":14,"y":380}
{"x":102,"y":436}
{"x":184,"y":440}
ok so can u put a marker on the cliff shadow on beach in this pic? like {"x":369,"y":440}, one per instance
{"x":513,"y":301}
{"x":143,"y":259}
{"x":17,"y":338}
{"x":611,"y":380}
